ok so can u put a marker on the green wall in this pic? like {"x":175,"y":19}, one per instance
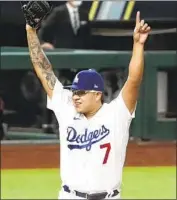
{"x":145,"y":124}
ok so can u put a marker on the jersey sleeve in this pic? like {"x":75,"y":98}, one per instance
{"x":61,"y":99}
{"x":122,"y":119}
{"x":121,"y":109}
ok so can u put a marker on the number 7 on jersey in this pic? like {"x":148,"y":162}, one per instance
{"x":106,"y":146}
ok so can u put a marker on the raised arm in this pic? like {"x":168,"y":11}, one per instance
{"x":40,"y":62}
{"x":136,"y":67}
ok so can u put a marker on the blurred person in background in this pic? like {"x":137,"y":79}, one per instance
{"x":66,"y":27}
{"x":112,"y":83}
{"x":32,"y":99}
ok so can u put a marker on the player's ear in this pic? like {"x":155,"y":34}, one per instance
{"x":98,"y":96}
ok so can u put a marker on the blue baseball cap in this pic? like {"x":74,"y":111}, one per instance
{"x":87,"y":80}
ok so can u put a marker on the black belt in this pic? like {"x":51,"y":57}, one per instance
{"x":94,"y":196}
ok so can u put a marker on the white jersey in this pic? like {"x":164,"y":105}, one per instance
{"x":92,"y":150}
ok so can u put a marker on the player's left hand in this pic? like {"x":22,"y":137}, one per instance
{"x":141,"y":30}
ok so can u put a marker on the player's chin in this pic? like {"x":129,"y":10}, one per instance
{"x":78,"y":108}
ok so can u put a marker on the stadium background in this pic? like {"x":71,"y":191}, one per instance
{"x":28,"y":145}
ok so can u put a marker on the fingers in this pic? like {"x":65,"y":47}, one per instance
{"x":145,"y":28}
{"x":137,"y":17}
{"x":141,"y":25}
{"x":139,"y":22}
{"x":148,"y":29}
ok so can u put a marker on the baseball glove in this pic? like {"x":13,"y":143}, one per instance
{"x":35,"y":11}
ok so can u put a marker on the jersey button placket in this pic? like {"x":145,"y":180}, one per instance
{"x":87,"y":160}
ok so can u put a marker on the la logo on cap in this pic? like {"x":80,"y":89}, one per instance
{"x":76,"y":80}
{"x":95,"y":86}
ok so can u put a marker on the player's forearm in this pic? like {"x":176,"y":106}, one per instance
{"x":136,"y":66}
{"x":40,"y":62}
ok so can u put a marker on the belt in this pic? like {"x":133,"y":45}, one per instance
{"x":94,"y":196}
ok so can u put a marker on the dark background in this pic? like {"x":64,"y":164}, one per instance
{"x":13,"y":25}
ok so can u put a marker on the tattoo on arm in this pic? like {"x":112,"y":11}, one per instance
{"x":39,"y":59}
{"x":50,"y":77}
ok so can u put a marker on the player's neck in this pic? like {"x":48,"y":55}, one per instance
{"x":93,"y":112}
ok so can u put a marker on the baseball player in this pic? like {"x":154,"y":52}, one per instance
{"x":93,"y":134}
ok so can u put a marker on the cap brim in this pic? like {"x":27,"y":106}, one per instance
{"x":70,"y":87}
